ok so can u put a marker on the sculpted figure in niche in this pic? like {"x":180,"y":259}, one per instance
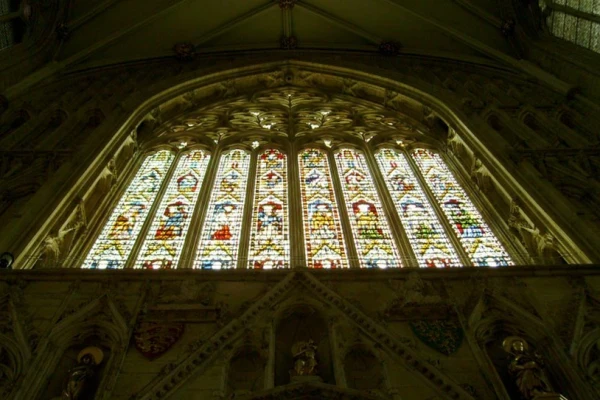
{"x":80,"y":380}
{"x":527,"y":368}
{"x":305,"y":362}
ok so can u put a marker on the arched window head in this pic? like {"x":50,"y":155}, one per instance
{"x":232,"y":209}
{"x":220,"y":240}
{"x":114,"y":245}
{"x":372,"y":236}
{"x":269,"y":241}
{"x":164,"y":241}
{"x":478,"y":241}
{"x":322,"y":226}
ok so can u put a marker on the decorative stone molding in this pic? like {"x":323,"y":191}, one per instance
{"x":288,"y":42}
{"x":315,"y":390}
{"x":184,"y":51}
{"x":287,"y":4}
{"x":165,"y":385}
{"x":63,"y":32}
{"x":389,"y":49}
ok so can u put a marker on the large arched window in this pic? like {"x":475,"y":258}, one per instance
{"x":577,"y":21}
{"x":250,"y":204}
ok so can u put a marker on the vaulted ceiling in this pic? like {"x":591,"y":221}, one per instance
{"x":103,"y":32}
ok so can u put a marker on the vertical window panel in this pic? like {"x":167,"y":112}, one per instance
{"x":558,"y":24}
{"x":166,"y":237}
{"x":370,"y":227}
{"x":570,"y":32}
{"x":322,"y":226}
{"x":269,"y":241}
{"x":113,"y":246}
{"x":482,"y":247}
{"x":586,"y":6}
{"x":584,"y":29}
{"x":219,"y":243}
{"x":425,"y":232}
{"x":595,"y":37}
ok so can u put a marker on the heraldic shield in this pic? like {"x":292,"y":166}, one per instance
{"x":153,"y":339}
{"x":443,"y":335}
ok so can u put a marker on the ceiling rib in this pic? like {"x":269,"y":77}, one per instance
{"x":55,"y":66}
{"x":233,"y":23}
{"x":287,"y":21}
{"x":77,"y":22}
{"x":480,"y":12}
{"x":341,"y":23}
{"x":522,"y":65}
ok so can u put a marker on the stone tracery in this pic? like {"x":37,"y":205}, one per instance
{"x":293,"y":118}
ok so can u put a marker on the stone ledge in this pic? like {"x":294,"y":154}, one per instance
{"x":72,"y":274}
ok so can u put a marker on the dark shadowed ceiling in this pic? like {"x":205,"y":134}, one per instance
{"x":105,"y":32}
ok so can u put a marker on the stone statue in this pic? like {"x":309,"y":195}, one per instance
{"x":305,"y":362}
{"x":81,"y":377}
{"x":527,"y":368}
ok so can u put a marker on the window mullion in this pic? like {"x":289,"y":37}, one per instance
{"x":296,"y":222}
{"x":574,"y":12}
{"x":141,"y":237}
{"x":242,"y":261}
{"x":353,"y":260}
{"x":462,"y":254}
{"x":199,"y":213}
{"x":399,"y":235}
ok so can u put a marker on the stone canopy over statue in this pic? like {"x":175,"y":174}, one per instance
{"x":305,"y":362}
{"x":528,"y":370}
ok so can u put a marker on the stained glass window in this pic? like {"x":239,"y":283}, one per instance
{"x":574,"y":20}
{"x":425,"y":232}
{"x":482,"y":247}
{"x":322,"y":228}
{"x":219,"y":243}
{"x":166,"y":237}
{"x":269,"y":242}
{"x":113,"y":246}
{"x":372,"y":235}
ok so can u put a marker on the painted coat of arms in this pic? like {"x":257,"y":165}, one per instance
{"x":443,"y":335}
{"x":153,"y":339}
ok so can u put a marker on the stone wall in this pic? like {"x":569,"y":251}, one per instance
{"x":188,"y":334}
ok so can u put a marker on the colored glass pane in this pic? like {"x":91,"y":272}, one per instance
{"x":425,"y":232}
{"x":167,"y":233}
{"x":322,"y":228}
{"x":219,"y":243}
{"x":369,"y":225}
{"x":482,"y":247}
{"x":113,"y":246}
{"x":269,"y":241}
